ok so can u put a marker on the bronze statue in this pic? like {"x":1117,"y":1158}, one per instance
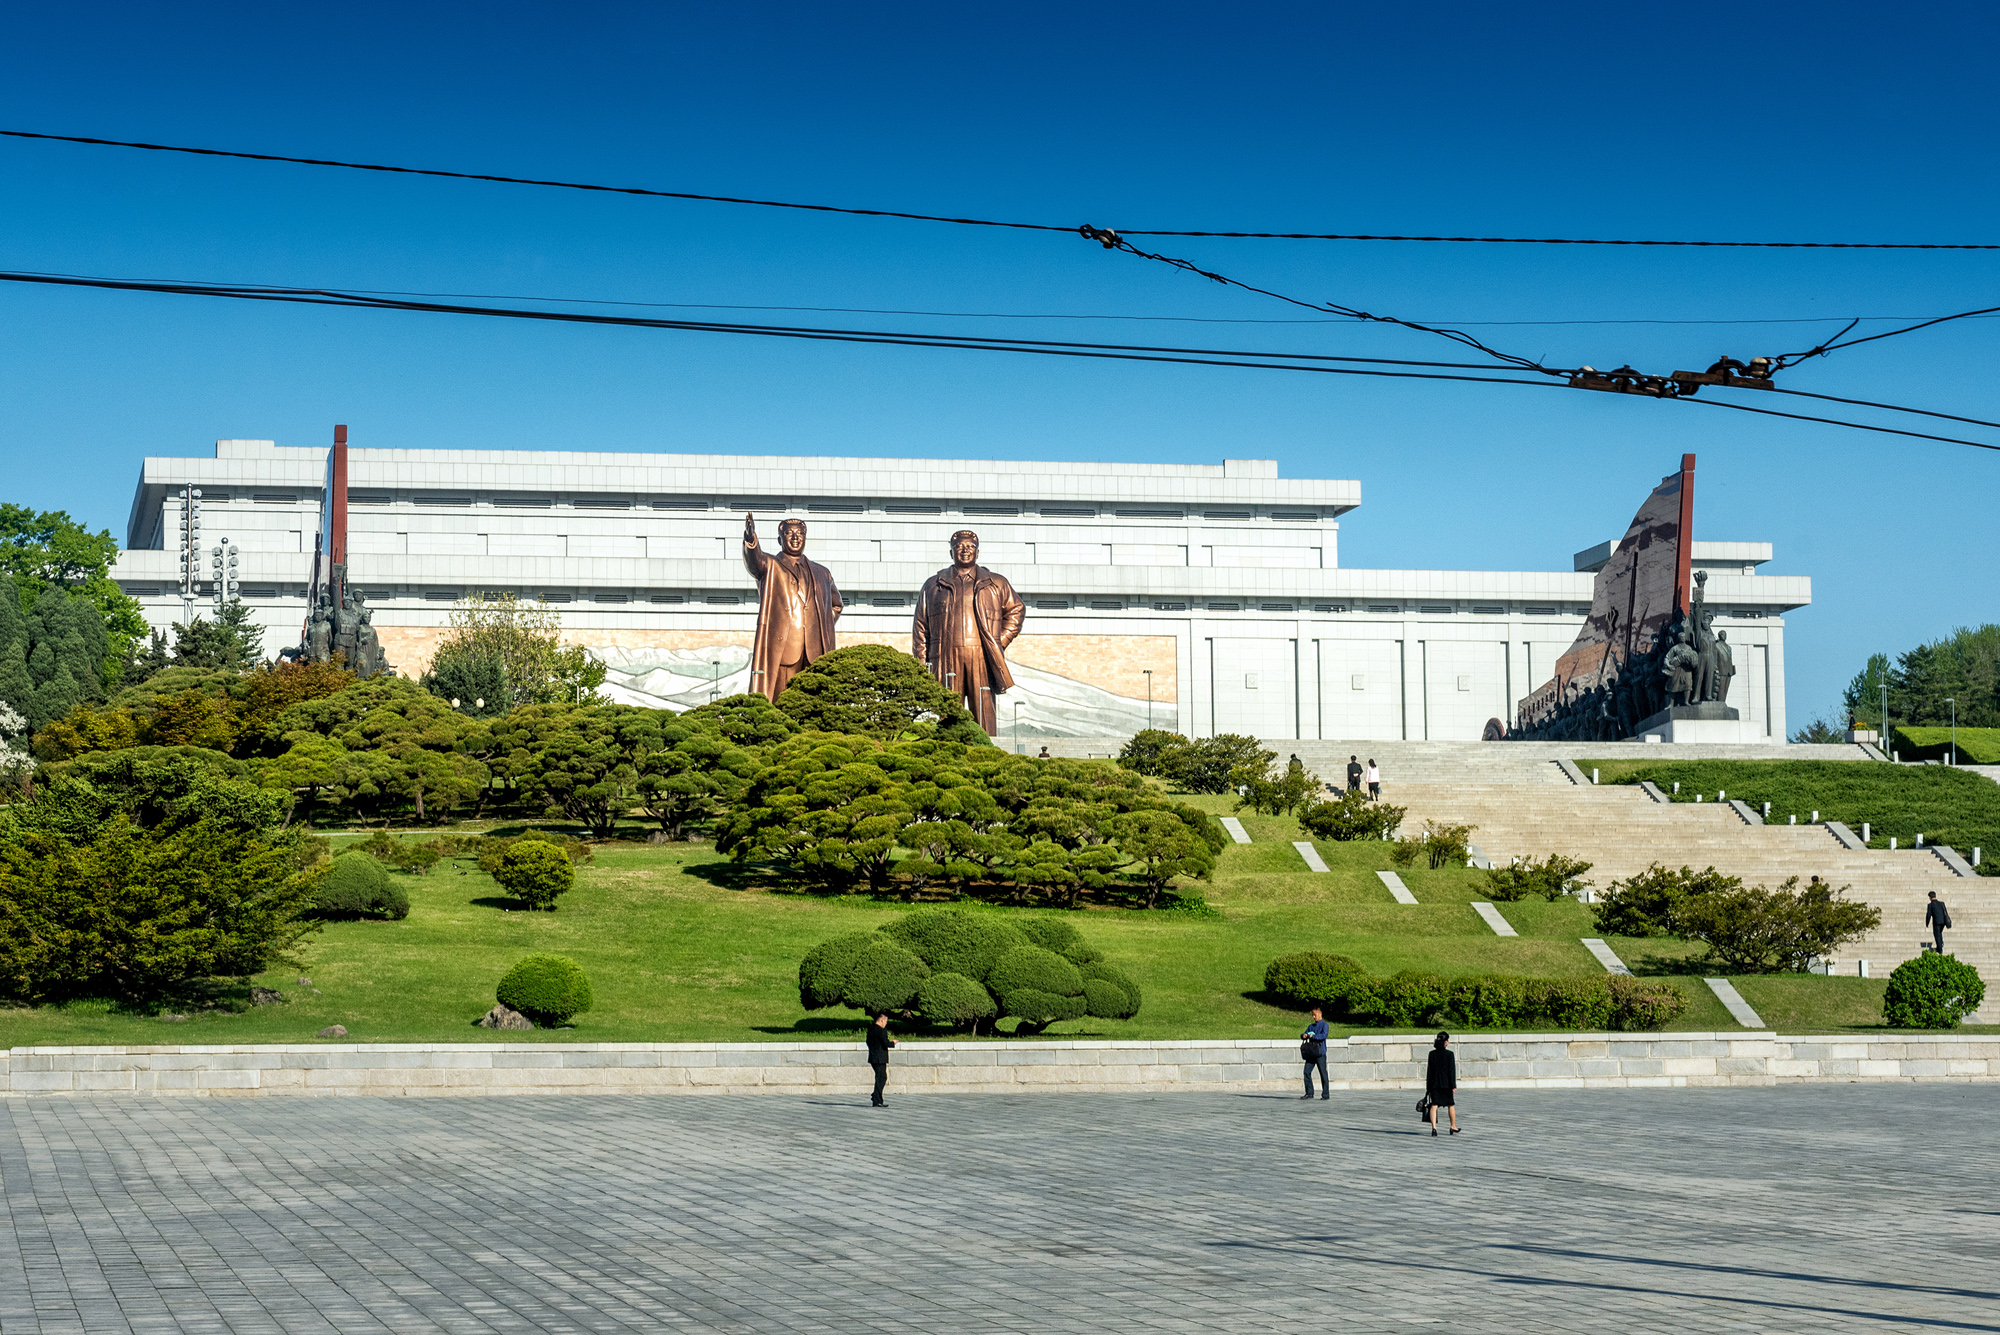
{"x":797,"y":605}
{"x":342,"y":627}
{"x":1725,"y":666}
{"x":966,"y":618}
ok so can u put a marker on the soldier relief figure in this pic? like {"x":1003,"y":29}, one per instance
{"x":966,"y":617}
{"x":797,"y":605}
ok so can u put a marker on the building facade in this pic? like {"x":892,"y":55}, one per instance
{"x":1201,"y":598}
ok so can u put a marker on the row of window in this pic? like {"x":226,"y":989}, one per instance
{"x":1045,"y":604}
{"x":767,"y":504}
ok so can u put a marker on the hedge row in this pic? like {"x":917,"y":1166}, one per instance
{"x":1489,"y":1001}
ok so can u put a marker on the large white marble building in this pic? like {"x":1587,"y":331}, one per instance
{"x":1207,"y":598}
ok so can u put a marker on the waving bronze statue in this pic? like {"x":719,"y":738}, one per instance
{"x":797,"y":605}
{"x":966,"y":618}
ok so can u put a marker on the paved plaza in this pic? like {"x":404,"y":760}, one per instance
{"x":1822,"y":1207}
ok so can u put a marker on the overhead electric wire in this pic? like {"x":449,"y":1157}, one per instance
{"x":1265,"y":361}
{"x":976,"y":222}
{"x":1834,"y":421}
{"x":1837,"y":342}
{"x":1279,"y":361}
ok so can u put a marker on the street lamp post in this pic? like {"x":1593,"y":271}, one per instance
{"x":1884,"y":740}
{"x":1017,"y":727}
{"x":1149,"y":698}
{"x":1954,"y":728}
{"x":714,"y":675}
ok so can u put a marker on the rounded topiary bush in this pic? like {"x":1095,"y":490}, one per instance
{"x":548,"y":989}
{"x":1061,"y":937}
{"x":883,"y":977}
{"x":535,"y":872}
{"x":1312,"y":978}
{"x":955,"y":1000}
{"x":357,"y":886}
{"x":1037,"y":987}
{"x":955,"y":941}
{"x":1932,"y":991}
{"x":823,"y":972}
{"x":1109,"y":993}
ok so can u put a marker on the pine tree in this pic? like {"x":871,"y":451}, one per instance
{"x":245,"y":634}
{"x":16,"y":686}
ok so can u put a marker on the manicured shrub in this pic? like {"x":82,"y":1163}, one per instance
{"x":536,"y":873}
{"x":1488,"y":1002}
{"x":956,"y":941}
{"x":1060,"y":936}
{"x":1550,"y":878}
{"x":489,"y":849}
{"x":1436,"y":845}
{"x":960,"y":968}
{"x":356,"y":886}
{"x":823,"y":972}
{"x":1932,"y":991}
{"x":1758,"y":930}
{"x":1407,"y":998}
{"x":1100,"y":1003}
{"x":1644,"y":1007}
{"x":1152,"y":752}
{"x":1311,"y":978}
{"x":1350,"y":816}
{"x":883,"y":977}
{"x":1570,"y":1003}
{"x":548,"y":989}
{"x":954,"y":1000}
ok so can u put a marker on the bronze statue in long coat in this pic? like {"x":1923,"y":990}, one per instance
{"x":797,"y":605}
{"x":966,"y":618}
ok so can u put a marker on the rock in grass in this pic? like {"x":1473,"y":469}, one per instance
{"x":265,"y":996}
{"x":503,"y":1017}
{"x":333,"y":1031}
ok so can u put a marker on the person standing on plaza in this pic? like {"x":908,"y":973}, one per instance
{"x":1354,"y":774}
{"x":879,"y":1044}
{"x":1312,"y":1047}
{"x":1374,"y":780}
{"x":1937,"y":917}
{"x":1441,"y":1082}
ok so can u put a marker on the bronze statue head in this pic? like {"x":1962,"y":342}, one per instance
{"x":965,"y":547}
{"x":792,"y":536}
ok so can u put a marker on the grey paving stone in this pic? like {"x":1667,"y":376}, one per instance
{"x":1823,"y":1207}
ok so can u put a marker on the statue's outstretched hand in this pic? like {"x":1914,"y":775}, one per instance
{"x":750,"y":530}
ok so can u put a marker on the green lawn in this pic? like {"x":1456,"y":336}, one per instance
{"x":681,"y":947}
{"x":1945,"y":805}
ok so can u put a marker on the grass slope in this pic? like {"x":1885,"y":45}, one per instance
{"x":1947,"y":806}
{"x":680,"y":947}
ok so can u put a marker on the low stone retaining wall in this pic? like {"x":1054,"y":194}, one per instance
{"x":1524,"y":1061}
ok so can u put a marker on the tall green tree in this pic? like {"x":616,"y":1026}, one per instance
{"x":47,"y":550}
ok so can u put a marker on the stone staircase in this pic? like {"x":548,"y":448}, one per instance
{"x":1622,"y":831}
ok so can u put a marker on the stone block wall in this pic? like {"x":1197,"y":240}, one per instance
{"x":1521,"y":1061}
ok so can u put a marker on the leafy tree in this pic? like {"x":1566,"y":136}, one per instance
{"x":1438,"y":845}
{"x":141,"y":876}
{"x":44,"y":551}
{"x":1153,"y":752}
{"x":695,"y":775}
{"x":1819,"y":732}
{"x":497,"y":637}
{"x":312,"y":765}
{"x":1759,"y":930}
{"x":196,"y":718}
{"x":1212,"y":764}
{"x":1645,"y":904}
{"x":826,"y":807}
{"x":139,"y":666}
{"x":17,"y":764}
{"x":87,"y":729}
{"x":1161,"y":847}
{"x":747,"y":720}
{"x":404,"y":745}
{"x":1932,"y":991}
{"x":1350,"y":816}
{"x":1272,"y":793}
{"x":536,"y":873}
{"x":876,"y":691}
{"x":1549,"y":878}
{"x":52,"y":654}
{"x":585,"y":761}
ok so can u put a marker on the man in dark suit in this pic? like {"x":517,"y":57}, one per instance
{"x":879,"y":1044}
{"x":1937,"y":917}
{"x":1354,"y":774}
{"x":1312,"y":1046}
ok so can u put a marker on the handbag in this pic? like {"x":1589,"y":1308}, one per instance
{"x":1424,"y":1107}
{"x":1306,"y":1052}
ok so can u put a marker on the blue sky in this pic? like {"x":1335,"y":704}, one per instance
{"x":1835,"y":122}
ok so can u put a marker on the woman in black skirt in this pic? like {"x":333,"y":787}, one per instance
{"x":1441,"y":1082}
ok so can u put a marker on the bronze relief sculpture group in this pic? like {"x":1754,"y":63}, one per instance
{"x":966,"y":617}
